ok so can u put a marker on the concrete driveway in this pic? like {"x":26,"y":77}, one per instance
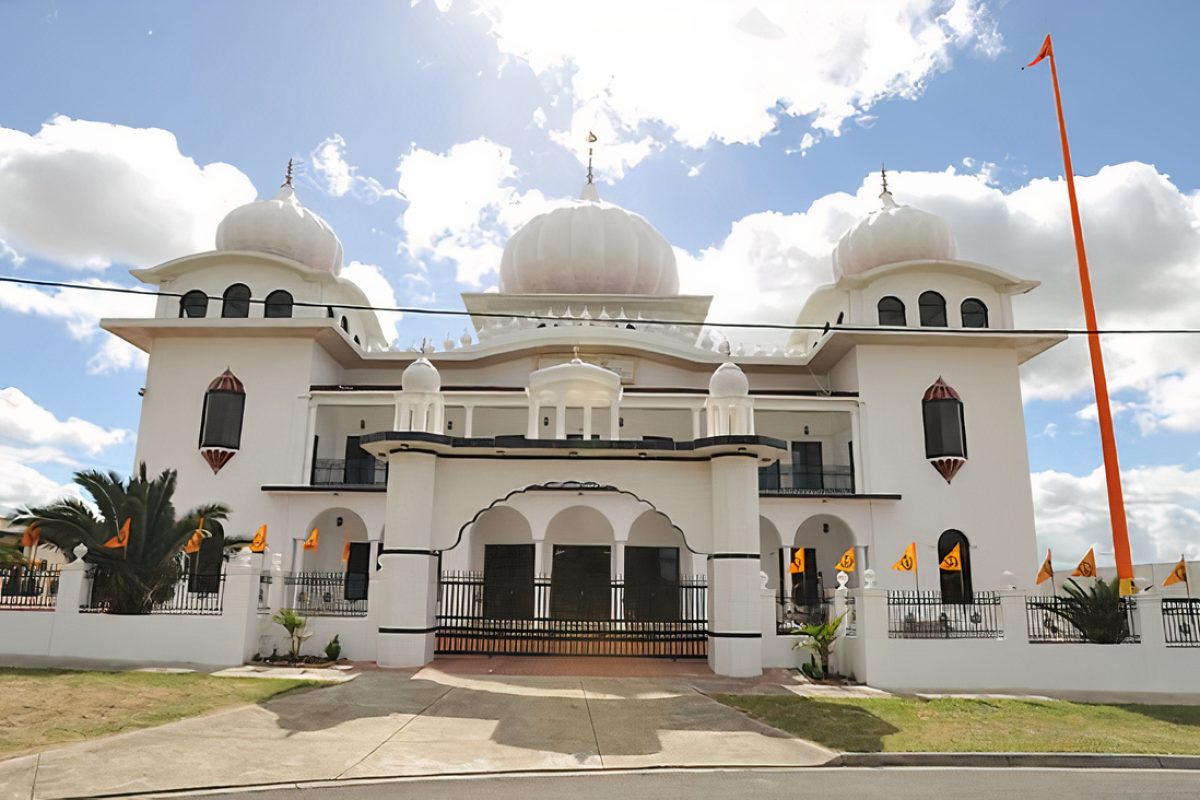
{"x":400,"y":723}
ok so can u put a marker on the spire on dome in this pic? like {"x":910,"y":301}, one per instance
{"x":590,"y":192}
{"x":287,"y":178}
{"x":885,"y":195}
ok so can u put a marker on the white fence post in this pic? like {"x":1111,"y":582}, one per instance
{"x":1149,"y":623}
{"x":872,"y":632}
{"x":1012,"y":617}
{"x":239,"y":607}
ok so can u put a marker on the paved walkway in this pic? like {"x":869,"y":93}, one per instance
{"x":431,"y":722}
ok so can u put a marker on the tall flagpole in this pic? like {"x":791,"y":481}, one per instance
{"x":1108,"y":442}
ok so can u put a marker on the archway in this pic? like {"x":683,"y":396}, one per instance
{"x":580,"y":544}
{"x":824,"y":538}
{"x":333,"y":578}
{"x":955,"y":583}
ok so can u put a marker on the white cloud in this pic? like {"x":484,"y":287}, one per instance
{"x":24,"y":421}
{"x":336,"y":176}
{"x":7,"y":253}
{"x":22,"y":485}
{"x":735,"y":68}
{"x":379,"y":292}
{"x":89,"y":194}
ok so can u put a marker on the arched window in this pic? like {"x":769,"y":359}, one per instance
{"x":974,"y":313}
{"x":236,"y":301}
{"x":945,"y":429}
{"x":221,"y":420}
{"x":891,"y":311}
{"x":933,"y":310}
{"x":204,"y":568}
{"x":956,"y":584}
{"x":279,"y":304}
{"x":345,"y":325}
{"x":193,"y":304}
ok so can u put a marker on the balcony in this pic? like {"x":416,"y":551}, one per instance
{"x":348,"y":472}
{"x":802,"y":480}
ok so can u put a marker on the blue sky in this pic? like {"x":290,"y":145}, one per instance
{"x":404,"y":116}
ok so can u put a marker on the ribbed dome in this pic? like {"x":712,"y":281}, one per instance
{"x":284,"y":227}
{"x":893,"y":234}
{"x":421,"y":376}
{"x":588,"y":247}
{"x":728,"y":381}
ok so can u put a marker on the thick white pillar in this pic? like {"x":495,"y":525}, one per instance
{"x":560,"y":420}
{"x":534,"y":412}
{"x":587,"y":422}
{"x":468,"y":420}
{"x":734,"y":602}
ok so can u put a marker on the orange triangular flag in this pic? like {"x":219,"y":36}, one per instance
{"x":311,"y":542}
{"x":1087,"y":567}
{"x":193,"y":544}
{"x":847,"y":562}
{"x":1047,"y":50}
{"x":953,"y":560}
{"x":797,"y":565}
{"x":259,"y":543}
{"x":31,"y":536}
{"x":346,"y":550}
{"x":908,"y":561}
{"x":122,"y":537}
{"x":1047,"y":570}
{"x":1178,"y":575}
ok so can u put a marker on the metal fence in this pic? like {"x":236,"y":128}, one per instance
{"x":199,"y":594}
{"x":23,"y":588}
{"x":326,"y":594}
{"x":1060,"y":620}
{"x":790,"y":615}
{"x":824,"y":479}
{"x":264,"y":592}
{"x":349,"y":472}
{"x":1181,"y":621}
{"x":923,"y":615}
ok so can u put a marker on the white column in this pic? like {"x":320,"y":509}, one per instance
{"x":534,"y":413}
{"x":468,"y":420}
{"x":614,"y":422}
{"x":587,"y":421}
{"x":539,"y":557}
{"x":618,"y":570}
{"x":856,"y":448}
{"x":309,"y":431}
{"x":695,"y":423}
{"x":560,"y":420}
{"x":734,"y":601}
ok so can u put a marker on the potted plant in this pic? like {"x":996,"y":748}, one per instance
{"x":819,"y":638}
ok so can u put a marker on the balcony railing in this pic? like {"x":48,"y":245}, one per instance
{"x":348,"y":472}
{"x":825,"y":479}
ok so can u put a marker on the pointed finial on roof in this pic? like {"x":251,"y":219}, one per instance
{"x":591,"y":138}
{"x":424,"y":346}
{"x":885,"y":195}
{"x":575,"y":350}
{"x":287,"y":178}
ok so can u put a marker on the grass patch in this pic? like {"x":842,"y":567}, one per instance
{"x":41,"y":707}
{"x":905,"y":724}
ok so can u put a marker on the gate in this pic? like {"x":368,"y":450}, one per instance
{"x":663,"y":622}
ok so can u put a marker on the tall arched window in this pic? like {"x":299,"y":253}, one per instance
{"x":945,"y":429}
{"x":933,"y":310}
{"x":891,"y":311}
{"x":974,"y":313}
{"x":224,"y":406}
{"x":193,"y":304}
{"x":956,"y":584}
{"x":279,"y":304}
{"x":236,"y":301}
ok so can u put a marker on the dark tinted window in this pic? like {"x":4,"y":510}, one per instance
{"x":193,"y":304}
{"x":891,"y":311}
{"x":236,"y":301}
{"x":974,"y":313}
{"x":944,"y":429}
{"x":933,"y":310}
{"x":955,"y":584}
{"x":221,"y":424}
{"x":279,"y":304}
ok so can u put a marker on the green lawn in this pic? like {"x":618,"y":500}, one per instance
{"x":904,"y":724}
{"x":40,"y":707}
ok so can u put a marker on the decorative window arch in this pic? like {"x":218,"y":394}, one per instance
{"x":279,"y":304}
{"x":236,"y":301}
{"x":974,"y":313}
{"x":945,"y":429}
{"x":933,"y":310}
{"x":891,"y":311}
{"x":221,"y":420}
{"x":193,"y":304}
{"x":955,"y":584}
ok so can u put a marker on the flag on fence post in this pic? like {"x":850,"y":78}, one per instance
{"x":259,"y":543}
{"x":847,"y":562}
{"x":797,"y":565}
{"x":1047,"y":571}
{"x":1179,"y":575}
{"x":1087,"y":567}
{"x":311,"y":542}
{"x":122,"y":538}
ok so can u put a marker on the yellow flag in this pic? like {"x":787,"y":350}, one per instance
{"x":311,"y":542}
{"x":847,"y":562}
{"x":259,"y":544}
{"x":1087,"y":567}
{"x":908,"y":561}
{"x":953,"y":560}
{"x":1178,"y":575}
{"x":31,"y":536}
{"x":122,"y":537}
{"x":1047,"y":570}
{"x":346,"y":550}
{"x":797,"y":565}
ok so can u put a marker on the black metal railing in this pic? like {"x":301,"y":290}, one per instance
{"x":326,"y":594}
{"x":24,"y":588}
{"x":791,"y":616}
{"x":198,"y":594}
{"x":825,"y":479}
{"x":349,"y":472}
{"x":264,"y":592}
{"x":1051,"y":619}
{"x":1181,"y":621}
{"x":923,"y":615}
{"x":525,"y":618}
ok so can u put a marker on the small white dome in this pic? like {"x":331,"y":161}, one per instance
{"x":284,"y":227}
{"x":893,"y":234}
{"x":588,"y":247}
{"x":728,"y":381}
{"x":421,"y":376}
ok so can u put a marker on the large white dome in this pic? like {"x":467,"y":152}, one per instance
{"x":284,"y":227}
{"x":893,"y":234}
{"x":588,"y":247}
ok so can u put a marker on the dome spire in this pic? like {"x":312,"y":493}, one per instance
{"x":885,"y":195}
{"x":589,"y":189}
{"x":287,"y":178}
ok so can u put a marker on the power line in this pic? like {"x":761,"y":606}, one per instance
{"x":452,"y":312}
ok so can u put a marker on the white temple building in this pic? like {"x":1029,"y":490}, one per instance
{"x":593,"y":469}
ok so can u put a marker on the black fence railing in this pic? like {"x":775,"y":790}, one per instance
{"x":790,"y":615}
{"x":923,"y":615}
{"x":349,"y":472}
{"x":1051,"y":619}
{"x":824,"y":479}
{"x":327,"y":594}
{"x":24,"y":588}
{"x":1181,"y":621}
{"x":199,"y":594}
{"x":614,"y":619}
{"x":264,"y":592}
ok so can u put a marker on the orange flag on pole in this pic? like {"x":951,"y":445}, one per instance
{"x":1087,"y":567}
{"x":847,"y":562}
{"x":1047,"y":50}
{"x":797,"y":565}
{"x":1047,"y":571}
{"x":259,"y":543}
{"x":953,"y":560}
{"x":908,"y":561}
{"x":311,"y":542}
{"x":31,"y":536}
{"x":1178,"y":575}
{"x":122,"y":538}
{"x":193,"y":544}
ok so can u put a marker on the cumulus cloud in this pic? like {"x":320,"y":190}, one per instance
{"x":336,"y":176}
{"x":22,"y":485}
{"x":737,"y":67}
{"x":24,"y":421}
{"x":90,"y":194}
{"x":379,"y":292}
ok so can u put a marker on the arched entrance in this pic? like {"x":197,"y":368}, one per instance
{"x":333,"y":577}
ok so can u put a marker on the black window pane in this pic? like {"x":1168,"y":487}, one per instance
{"x":236,"y":301}
{"x":652,"y":583}
{"x":974,"y":314}
{"x":891,"y":312}
{"x":933,"y":310}
{"x":221,"y":425}
{"x":193,"y":304}
{"x":279,"y":304}
{"x":806,"y":466}
{"x":944,"y":429}
{"x":508,"y":581}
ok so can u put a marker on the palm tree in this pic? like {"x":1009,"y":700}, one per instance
{"x":131,"y":579}
{"x":1098,"y":613}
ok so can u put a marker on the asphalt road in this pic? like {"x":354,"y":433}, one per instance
{"x":893,"y":783}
